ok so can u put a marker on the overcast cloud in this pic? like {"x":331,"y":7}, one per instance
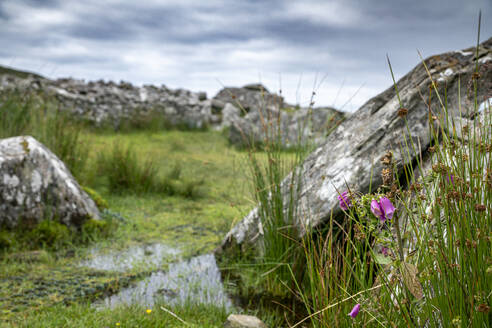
{"x":336,"y":47}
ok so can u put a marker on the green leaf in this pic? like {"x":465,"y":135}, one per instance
{"x":381,"y":259}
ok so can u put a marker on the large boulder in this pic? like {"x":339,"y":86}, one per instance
{"x":250,"y":97}
{"x":355,"y":148}
{"x":35,"y":185}
{"x":253,"y":115}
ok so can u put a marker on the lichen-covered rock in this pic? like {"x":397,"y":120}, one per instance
{"x":250,"y":97}
{"x":254,"y":115}
{"x":354,"y":149}
{"x":35,"y":185}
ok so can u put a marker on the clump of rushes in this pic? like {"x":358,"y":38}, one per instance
{"x":126,"y":173}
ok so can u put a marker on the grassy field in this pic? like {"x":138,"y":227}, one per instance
{"x":213,"y":193}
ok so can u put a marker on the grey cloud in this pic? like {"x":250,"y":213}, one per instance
{"x":193,"y":43}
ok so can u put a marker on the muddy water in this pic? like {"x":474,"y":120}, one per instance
{"x":195,"y":280}
{"x":147,"y":257}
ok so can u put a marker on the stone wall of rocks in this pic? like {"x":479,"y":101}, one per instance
{"x":112,"y":103}
{"x":244,"y":110}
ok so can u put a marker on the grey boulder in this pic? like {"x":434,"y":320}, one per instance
{"x":354,"y":149}
{"x":248,"y":98}
{"x":243,"y":321}
{"x":35,"y":185}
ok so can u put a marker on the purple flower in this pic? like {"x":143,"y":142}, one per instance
{"x":355,"y":311}
{"x":384,"y":251}
{"x":382,"y":208}
{"x":344,"y":200}
{"x":450,"y":177}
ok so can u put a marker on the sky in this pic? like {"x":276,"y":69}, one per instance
{"x":336,"y":48}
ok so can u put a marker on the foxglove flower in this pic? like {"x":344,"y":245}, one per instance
{"x":355,"y":311}
{"x":344,"y":200}
{"x":383,"y":208}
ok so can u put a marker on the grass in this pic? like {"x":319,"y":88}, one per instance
{"x":15,"y":72}
{"x":193,"y":224}
{"x":40,"y":117}
{"x":83,"y":315}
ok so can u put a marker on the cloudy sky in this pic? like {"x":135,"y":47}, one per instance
{"x":335,"y":47}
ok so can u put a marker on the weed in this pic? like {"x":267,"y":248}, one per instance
{"x":50,"y":234}
{"x":125,"y":172}
{"x":30,"y":114}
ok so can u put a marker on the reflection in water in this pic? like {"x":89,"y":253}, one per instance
{"x":146,"y":256}
{"x":197,"y":280}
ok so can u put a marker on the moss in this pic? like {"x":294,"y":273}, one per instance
{"x":50,"y":234}
{"x":7,"y":240}
{"x":101,"y":203}
{"x":93,"y":229}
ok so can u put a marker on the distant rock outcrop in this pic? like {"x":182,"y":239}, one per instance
{"x":253,"y":114}
{"x":349,"y":154}
{"x":35,"y":185}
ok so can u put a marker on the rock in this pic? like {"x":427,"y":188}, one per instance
{"x":230,"y":115}
{"x":243,"y":321}
{"x":297,"y":127}
{"x":35,"y":185}
{"x":250,"y":97}
{"x":259,"y":113}
{"x":354,"y":149}
{"x":110,"y":103}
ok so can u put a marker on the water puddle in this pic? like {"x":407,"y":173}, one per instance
{"x":147,"y":257}
{"x":196,"y":280}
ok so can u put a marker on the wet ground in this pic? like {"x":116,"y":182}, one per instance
{"x":143,"y":257}
{"x":141,"y":274}
{"x":195,"y":280}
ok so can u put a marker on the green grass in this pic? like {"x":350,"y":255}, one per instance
{"x":18,"y":73}
{"x":82,"y":315}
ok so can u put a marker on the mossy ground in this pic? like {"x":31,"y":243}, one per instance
{"x":52,"y":290}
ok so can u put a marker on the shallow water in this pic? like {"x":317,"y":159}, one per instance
{"x":196,"y":280}
{"x":149,"y":257}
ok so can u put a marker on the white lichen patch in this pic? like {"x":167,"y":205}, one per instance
{"x":20,"y":197}
{"x":10,"y":181}
{"x":36,"y":181}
